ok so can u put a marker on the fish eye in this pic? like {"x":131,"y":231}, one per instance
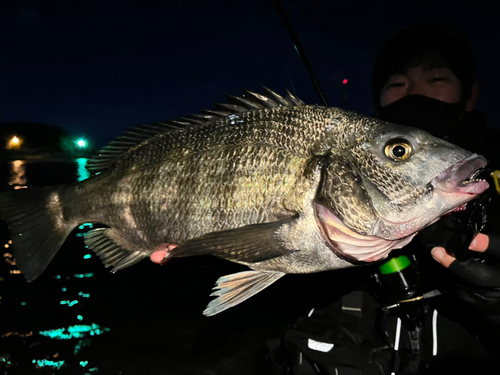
{"x":398,"y":149}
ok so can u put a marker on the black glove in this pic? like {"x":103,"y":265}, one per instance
{"x":479,"y":277}
{"x":473,"y":296}
{"x":451,"y":232}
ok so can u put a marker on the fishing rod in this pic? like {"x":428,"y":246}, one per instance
{"x":298,"y":47}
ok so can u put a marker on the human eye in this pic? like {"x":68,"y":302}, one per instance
{"x":438,"y":78}
{"x":395,"y":82}
{"x":440,"y":75}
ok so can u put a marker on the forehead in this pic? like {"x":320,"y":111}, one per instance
{"x":426,"y":58}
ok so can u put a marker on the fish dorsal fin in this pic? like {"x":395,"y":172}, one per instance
{"x":128,"y":140}
{"x":135,"y":136}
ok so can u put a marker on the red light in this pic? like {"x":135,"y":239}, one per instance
{"x":344,"y":81}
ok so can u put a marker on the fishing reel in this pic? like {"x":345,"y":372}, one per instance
{"x":399,"y":290}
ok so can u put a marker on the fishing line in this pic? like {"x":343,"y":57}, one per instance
{"x":298,"y":47}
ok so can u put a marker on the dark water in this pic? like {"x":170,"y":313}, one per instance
{"x":78,"y":318}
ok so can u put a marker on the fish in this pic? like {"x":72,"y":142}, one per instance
{"x":263,"y":180}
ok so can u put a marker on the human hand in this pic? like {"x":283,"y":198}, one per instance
{"x":473,"y":297}
{"x":482,"y":271}
{"x":479,"y":243}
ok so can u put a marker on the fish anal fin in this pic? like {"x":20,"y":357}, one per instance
{"x":231,"y":290}
{"x":107,"y":244}
{"x":249,"y":244}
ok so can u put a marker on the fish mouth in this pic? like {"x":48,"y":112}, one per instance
{"x":461,"y":178}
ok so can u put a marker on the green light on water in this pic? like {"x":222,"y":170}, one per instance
{"x":87,"y":256}
{"x":76,"y":331}
{"x":79,"y":317}
{"x":57,"y":276}
{"x":89,"y":225}
{"x":83,"y":275}
{"x":84,"y":295}
{"x":5,"y":359}
{"x":48,"y":363}
{"x":84,"y":363}
{"x":82,"y":343}
{"x":69,"y":303}
{"x":82,"y":172}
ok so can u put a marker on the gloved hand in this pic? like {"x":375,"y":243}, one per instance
{"x":478,"y":277}
{"x":453,"y":232}
{"x":474,"y":299}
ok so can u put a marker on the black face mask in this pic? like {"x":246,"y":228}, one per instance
{"x":439,"y":118}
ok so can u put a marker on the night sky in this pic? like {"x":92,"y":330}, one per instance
{"x":96,"y":68}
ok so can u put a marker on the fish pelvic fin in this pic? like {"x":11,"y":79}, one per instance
{"x":249,"y":244}
{"x":107,"y":244}
{"x":231,"y":290}
{"x":37,"y":227}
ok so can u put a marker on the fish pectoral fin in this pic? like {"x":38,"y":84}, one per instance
{"x":103,"y":242}
{"x":250,"y":244}
{"x":231,"y":290}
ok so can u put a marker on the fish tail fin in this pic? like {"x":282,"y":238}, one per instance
{"x":36,"y":225}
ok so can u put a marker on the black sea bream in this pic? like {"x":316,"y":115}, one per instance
{"x":264,"y":180}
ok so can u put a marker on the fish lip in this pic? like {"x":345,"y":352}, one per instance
{"x":460,"y":177}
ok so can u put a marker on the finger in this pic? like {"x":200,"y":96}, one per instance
{"x":480,"y":243}
{"x":158,"y":256}
{"x":442,"y":257}
{"x":493,"y":249}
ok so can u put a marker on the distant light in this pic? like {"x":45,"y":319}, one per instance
{"x":14,"y":142}
{"x":344,"y":82}
{"x":79,"y":317}
{"x":87,"y":256}
{"x":81,"y":143}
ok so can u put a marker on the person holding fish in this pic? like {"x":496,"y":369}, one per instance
{"x":425,"y":77}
